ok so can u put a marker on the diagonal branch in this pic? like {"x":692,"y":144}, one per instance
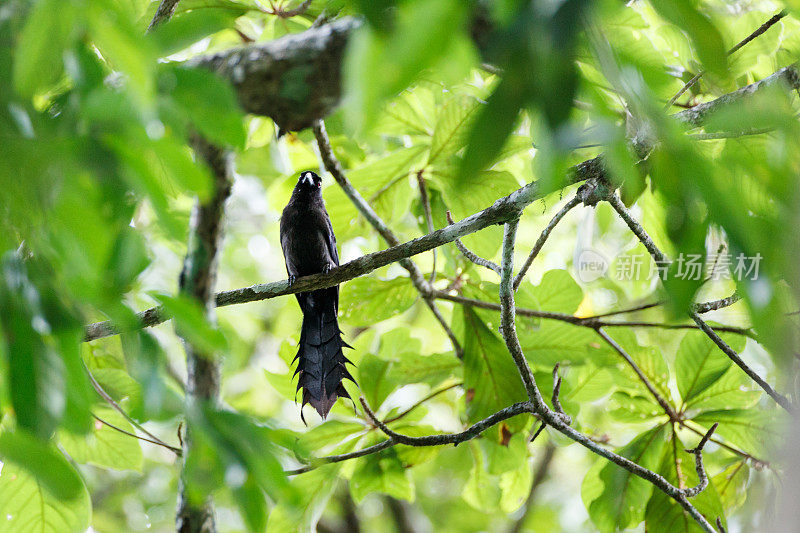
{"x":448,"y":438}
{"x":662,"y":259}
{"x":760,"y":30}
{"x":423,"y":287}
{"x":537,"y":247}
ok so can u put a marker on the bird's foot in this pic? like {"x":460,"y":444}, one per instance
{"x":326,"y":269}
{"x":292,"y":279}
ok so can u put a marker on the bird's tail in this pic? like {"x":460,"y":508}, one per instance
{"x":320,"y":360}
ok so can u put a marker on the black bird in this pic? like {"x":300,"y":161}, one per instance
{"x":309,"y":247}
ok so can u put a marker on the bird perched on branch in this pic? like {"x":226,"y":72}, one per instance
{"x":309,"y":247}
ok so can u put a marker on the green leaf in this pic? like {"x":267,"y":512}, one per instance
{"x":491,"y":379}
{"x":734,"y":390}
{"x":36,"y":374}
{"x":372,"y":378}
{"x":26,"y":505}
{"x":251,"y":501}
{"x":754,"y":431}
{"x":208,"y":102}
{"x":480,"y":492}
{"x":731,"y":485}
{"x":699,"y":363}
{"x":105,"y":446}
{"x":616,"y":498}
{"x":315,"y":489}
{"x":191,"y":322}
{"x":705,"y":36}
{"x":48,"y":32}
{"x":49,"y":467}
{"x":382,"y":472}
{"x":184,"y":29}
{"x":452,"y":127}
{"x":664,"y":514}
{"x":367,"y":300}
{"x":431,"y":369}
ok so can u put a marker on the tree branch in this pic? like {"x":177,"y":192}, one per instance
{"x":760,"y":30}
{"x":507,"y":317}
{"x":448,"y":438}
{"x":650,"y":387}
{"x":166,"y":8}
{"x":295,"y":80}
{"x":691,"y":492}
{"x":197,"y":282}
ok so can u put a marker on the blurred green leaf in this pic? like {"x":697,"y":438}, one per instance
{"x":105,"y":446}
{"x":384,"y":473}
{"x":48,"y":33}
{"x":27,"y":505}
{"x":189,"y":27}
{"x":44,"y":462}
{"x":208,"y":102}
{"x":705,"y":36}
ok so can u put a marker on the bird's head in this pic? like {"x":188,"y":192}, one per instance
{"x":309,"y":181}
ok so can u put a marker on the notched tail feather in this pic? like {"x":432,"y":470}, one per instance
{"x":320,"y":359}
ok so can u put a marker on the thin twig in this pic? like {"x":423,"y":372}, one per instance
{"x":543,"y":238}
{"x":720,"y":526}
{"x":507,"y":317}
{"x":448,"y":438}
{"x":430,"y":396}
{"x":691,"y":492}
{"x":173,"y":449}
{"x":164,"y":12}
{"x":731,"y":353}
{"x":470,"y":255}
{"x":755,"y":461}
{"x":110,"y":401}
{"x":426,"y":208}
{"x":760,"y":30}
{"x":556,"y":391}
{"x":289,"y":13}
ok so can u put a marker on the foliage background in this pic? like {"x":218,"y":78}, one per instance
{"x":98,"y":184}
